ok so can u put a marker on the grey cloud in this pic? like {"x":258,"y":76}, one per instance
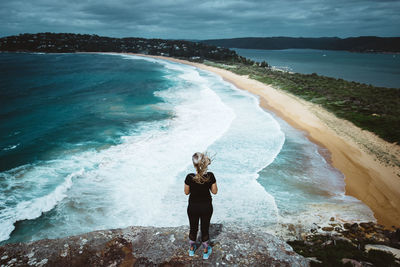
{"x":203,"y":19}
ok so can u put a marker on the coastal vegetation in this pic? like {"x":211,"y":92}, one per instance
{"x":70,"y":43}
{"x":375,"y":109}
{"x":371,"y":44}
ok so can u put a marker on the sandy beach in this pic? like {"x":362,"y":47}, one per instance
{"x":369,"y":164}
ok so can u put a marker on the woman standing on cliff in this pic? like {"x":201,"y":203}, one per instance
{"x":200,"y":206}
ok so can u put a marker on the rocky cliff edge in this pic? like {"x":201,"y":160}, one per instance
{"x":153,"y":246}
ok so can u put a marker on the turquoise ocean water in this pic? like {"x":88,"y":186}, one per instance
{"x":96,"y":141}
{"x":376,"y":69}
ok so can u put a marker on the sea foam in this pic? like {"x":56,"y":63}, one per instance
{"x":125,"y":184}
{"x":140,"y":180}
{"x":31,"y":208}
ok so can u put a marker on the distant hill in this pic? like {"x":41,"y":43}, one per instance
{"x":353,"y":44}
{"x":71,"y":43}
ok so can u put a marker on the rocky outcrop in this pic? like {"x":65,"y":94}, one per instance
{"x":355,"y":244}
{"x":153,"y":246}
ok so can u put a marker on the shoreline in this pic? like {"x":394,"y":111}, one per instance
{"x":353,"y":151}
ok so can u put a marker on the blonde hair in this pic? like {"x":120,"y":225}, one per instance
{"x":200,"y":163}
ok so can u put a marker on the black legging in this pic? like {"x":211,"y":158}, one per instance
{"x":202,"y":211}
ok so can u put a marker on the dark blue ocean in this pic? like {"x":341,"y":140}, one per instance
{"x":97,"y":141}
{"x":376,"y":69}
{"x":56,"y":103}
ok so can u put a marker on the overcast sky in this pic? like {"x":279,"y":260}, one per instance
{"x":202,"y":19}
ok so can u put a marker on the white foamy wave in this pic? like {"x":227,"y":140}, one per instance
{"x":140,"y":182}
{"x":149,"y":162}
{"x":125,"y":184}
{"x":11,"y":147}
{"x":252,"y":142}
{"x":319,"y":214}
{"x":31,"y":209}
{"x":14,"y":133}
{"x":307,"y":189}
{"x":167,"y":64}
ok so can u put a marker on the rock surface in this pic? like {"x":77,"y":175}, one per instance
{"x":354,"y":244}
{"x":394,"y":251}
{"x":153,"y":246}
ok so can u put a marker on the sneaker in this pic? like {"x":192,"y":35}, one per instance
{"x":207,"y":255}
{"x":191,"y":252}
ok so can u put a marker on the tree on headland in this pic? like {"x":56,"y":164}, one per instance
{"x":70,"y":43}
{"x":264,"y":64}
